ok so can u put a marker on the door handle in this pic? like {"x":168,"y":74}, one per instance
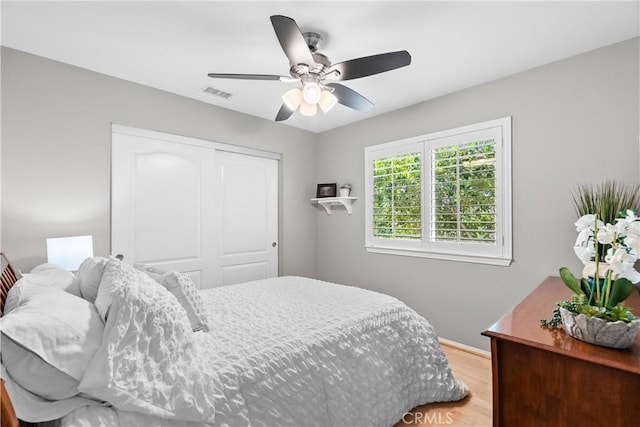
{"x":274,"y":244}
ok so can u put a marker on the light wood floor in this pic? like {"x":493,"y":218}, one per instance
{"x":473,"y":411}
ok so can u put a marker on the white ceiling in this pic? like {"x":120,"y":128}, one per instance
{"x":173,"y":45}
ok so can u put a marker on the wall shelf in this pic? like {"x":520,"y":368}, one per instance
{"x":328,"y":202}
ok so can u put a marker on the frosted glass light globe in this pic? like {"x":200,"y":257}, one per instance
{"x":308,"y":109}
{"x":292,"y":98}
{"x":311,"y":93}
{"x":327,"y":101}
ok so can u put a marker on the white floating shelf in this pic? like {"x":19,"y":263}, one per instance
{"x":328,"y":202}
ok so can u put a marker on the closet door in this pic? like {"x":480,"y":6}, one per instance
{"x":246,"y":217}
{"x":163,"y":206}
{"x":190,"y":205}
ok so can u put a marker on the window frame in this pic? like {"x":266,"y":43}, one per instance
{"x":501,"y":253}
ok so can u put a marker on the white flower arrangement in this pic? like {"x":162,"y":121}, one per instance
{"x":621,"y":241}
{"x":602,"y":295}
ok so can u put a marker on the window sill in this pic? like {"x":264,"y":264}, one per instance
{"x":499,"y":261}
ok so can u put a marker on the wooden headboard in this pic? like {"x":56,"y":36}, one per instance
{"x":8,"y":278}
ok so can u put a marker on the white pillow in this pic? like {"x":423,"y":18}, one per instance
{"x":147,"y":361}
{"x":89,"y":276}
{"x":32,"y":408}
{"x":117,"y":276}
{"x":54,"y":276}
{"x":34,"y":374}
{"x":153,"y":272}
{"x":188,"y":295}
{"x":62,"y":329}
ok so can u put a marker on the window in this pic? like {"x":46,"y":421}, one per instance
{"x":397,"y":203}
{"x":444,"y":195}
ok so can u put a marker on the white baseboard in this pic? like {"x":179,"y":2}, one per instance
{"x":464,"y":347}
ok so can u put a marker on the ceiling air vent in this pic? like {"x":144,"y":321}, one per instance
{"x":217,"y":92}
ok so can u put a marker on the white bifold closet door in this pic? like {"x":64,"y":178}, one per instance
{"x":246,"y":220}
{"x":188,"y":205}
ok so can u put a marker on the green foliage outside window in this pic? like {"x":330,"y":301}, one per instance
{"x":463,"y":193}
{"x":397,"y":197}
{"x":462,"y":196}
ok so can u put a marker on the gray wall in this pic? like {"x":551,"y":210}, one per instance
{"x":56,"y":133}
{"x":574,"y":121}
{"x":567,"y":118}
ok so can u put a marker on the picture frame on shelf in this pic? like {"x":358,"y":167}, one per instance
{"x":326,"y":190}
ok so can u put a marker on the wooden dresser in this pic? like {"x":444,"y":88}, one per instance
{"x":547,"y":378}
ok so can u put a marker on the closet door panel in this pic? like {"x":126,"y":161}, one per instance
{"x":247,"y":217}
{"x":163,"y":205}
{"x":167,"y":196}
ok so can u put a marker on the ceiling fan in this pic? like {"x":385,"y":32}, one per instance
{"x":317,"y":74}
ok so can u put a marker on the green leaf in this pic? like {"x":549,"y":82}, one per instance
{"x":570,"y":280}
{"x":620,"y":291}
{"x":586,"y":289}
{"x":619,"y":312}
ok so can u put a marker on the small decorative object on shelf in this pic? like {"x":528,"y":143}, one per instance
{"x":595,"y":313}
{"x":345,"y":190}
{"x":326,"y":190}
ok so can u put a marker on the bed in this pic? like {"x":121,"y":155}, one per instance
{"x":281,"y":351}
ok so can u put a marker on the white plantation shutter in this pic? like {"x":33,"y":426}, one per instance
{"x":444,"y":195}
{"x":463,"y":193}
{"x":397,"y":202}
{"x":394,"y":193}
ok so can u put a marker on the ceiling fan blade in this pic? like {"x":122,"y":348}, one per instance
{"x":292,"y":40}
{"x":350,"y":97}
{"x":251,"y":77}
{"x":370,"y":65}
{"x":284,"y":113}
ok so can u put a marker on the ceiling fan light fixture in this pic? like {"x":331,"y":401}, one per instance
{"x":327,"y":101}
{"x":307,"y":109}
{"x":311,"y":92}
{"x":316,"y":74}
{"x":292,"y":98}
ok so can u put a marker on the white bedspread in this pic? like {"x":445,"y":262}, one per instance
{"x":283,"y":351}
